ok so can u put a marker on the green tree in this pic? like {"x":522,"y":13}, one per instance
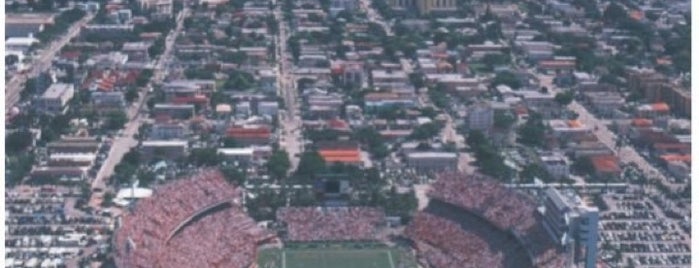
{"x":17,"y":141}
{"x":503,"y":120}
{"x":506,"y":78}
{"x":614,"y":13}
{"x":131,"y":94}
{"x":533,"y":131}
{"x":234,"y":175}
{"x":204,"y":157}
{"x":583,"y":166}
{"x":426,"y":131}
{"x":278,"y":164}
{"x":229,"y":142}
{"x":372,"y":140}
{"x":531,"y":171}
{"x":564,"y":98}
{"x":310,"y":164}
{"x":115,"y":120}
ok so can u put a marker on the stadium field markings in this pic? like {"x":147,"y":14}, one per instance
{"x":284,"y":259}
{"x":390,"y":258}
{"x":332,"y":257}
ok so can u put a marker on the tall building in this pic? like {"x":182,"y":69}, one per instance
{"x":425,"y":6}
{"x":481,"y":117}
{"x":573,"y":225}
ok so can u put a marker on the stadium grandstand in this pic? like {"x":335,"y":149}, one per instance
{"x":306,"y":224}
{"x":196,"y":221}
{"x":474,"y":219}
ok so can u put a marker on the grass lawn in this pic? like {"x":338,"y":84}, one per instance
{"x":334,"y":258}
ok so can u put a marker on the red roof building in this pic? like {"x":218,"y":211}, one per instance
{"x":606,"y":166}
{"x":250,"y":135}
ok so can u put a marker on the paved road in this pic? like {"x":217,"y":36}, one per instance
{"x":14,"y":87}
{"x":375,"y":16}
{"x":291,"y":139}
{"x":627,"y":154}
{"x":126,"y":140}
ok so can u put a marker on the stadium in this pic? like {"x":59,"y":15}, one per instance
{"x":470,"y":221}
{"x":193,"y":222}
{"x":473,"y":221}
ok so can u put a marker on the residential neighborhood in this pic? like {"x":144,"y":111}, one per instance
{"x":557,"y":130}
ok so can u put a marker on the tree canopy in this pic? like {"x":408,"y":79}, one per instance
{"x":533,"y":131}
{"x":278,"y":164}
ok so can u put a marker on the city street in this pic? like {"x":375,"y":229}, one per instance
{"x":627,"y":154}
{"x":123,"y":143}
{"x":290,"y":123}
{"x":14,"y":87}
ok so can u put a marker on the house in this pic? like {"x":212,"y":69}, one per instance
{"x":168,"y":131}
{"x":569,"y":129}
{"x":605,"y":103}
{"x":556,"y":65}
{"x":540,"y":102}
{"x":240,"y":155}
{"x":55,"y":99}
{"x":654,"y":110}
{"x":108,"y":31}
{"x":381,"y":100}
{"x":605,"y":166}
{"x":268,"y":108}
{"x":424,"y":162}
{"x":189,"y":88}
{"x":177,"y":111}
{"x":108,"y":101}
{"x":63,"y":174}
{"x":556,"y":164}
{"x":73,"y":145}
{"x":20,"y":44}
{"x":243,"y":109}
{"x":588,"y":148}
{"x":164,"y":149}
{"x":26,"y":24}
{"x":389,"y":79}
{"x":137,"y":51}
{"x":72,"y":159}
{"x":249,"y":135}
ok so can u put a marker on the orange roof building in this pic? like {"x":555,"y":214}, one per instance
{"x":606,"y":165}
{"x":667,"y":158}
{"x":641,"y":122}
{"x":345,"y":156}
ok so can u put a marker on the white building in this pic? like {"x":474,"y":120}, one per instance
{"x":269,"y":108}
{"x":239,"y":155}
{"x":166,"y":149}
{"x":556,"y":164}
{"x":55,"y":99}
{"x":20,"y":43}
{"x":432,"y":161}
{"x":573,"y":224}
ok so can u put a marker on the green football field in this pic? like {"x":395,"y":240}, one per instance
{"x":334,"y":258}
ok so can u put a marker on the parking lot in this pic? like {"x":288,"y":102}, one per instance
{"x":637,"y":229}
{"x":44,"y":229}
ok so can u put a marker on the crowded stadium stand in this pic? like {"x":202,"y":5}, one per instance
{"x":193,"y":222}
{"x":502,"y":227}
{"x":306,"y":224}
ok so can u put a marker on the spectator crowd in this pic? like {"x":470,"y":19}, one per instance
{"x":504,"y":208}
{"x":443,"y":243}
{"x":193,"y":222}
{"x":331,"y":223}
